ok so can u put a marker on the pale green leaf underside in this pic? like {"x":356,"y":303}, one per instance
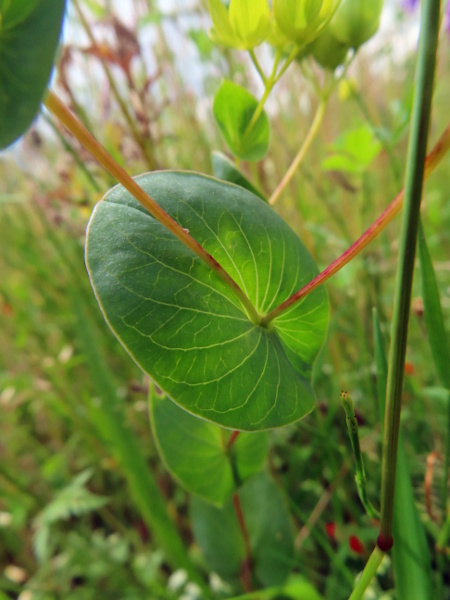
{"x":196,"y":453}
{"x":183,"y":325}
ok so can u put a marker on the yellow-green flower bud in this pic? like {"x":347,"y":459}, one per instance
{"x":328,"y":51}
{"x":356,"y":21}
{"x":302,"y":20}
{"x":245,"y":25}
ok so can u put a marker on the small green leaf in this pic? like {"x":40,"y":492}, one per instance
{"x":225,"y":169}
{"x":183,"y":325}
{"x":217,"y":532}
{"x":29,"y":32}
{"x":354,"y":151}
{"x":433,"y":313}
{"x":196,"y":453}
{"x":299,"y":588}
{"x":233,"y":110}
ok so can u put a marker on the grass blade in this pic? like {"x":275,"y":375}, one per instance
{"x":122,"y":443}
{"x":434,"y":319}
{"x":411,"y":557}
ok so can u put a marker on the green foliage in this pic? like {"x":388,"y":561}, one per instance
{"x":234,"y":108}
{"x":29,"y":32}
{"x":70,"y":398}
{"x":183,"y":325}
{"x":269,"y":529}
{"x":434,"y":318}
{"x":353,"y":150}
{"x":198,"y":455}
{"x":225,"y":169}
{"x":72,"y":501}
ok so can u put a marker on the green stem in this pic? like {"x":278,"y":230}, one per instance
{"x":433,"y":159}
{"x":58,"y":108}
{"x":360,"y":476}
{"x":368,"y":574}
{"x":257,"y":65}
{"x":408,"y":240}
{"x":444,"y":535}
{"x":148,"y":154}
{"x":312,"y":132}
{"x":269,"y":84}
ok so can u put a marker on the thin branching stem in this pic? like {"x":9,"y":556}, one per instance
{"x":433,"y":159}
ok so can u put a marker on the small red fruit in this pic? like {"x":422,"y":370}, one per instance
{"x":356,"y":545}
{"x":330,"y":528}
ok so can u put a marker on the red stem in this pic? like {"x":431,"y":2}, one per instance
{"x":246,"y":570}
{"x":432,"y":160}
{"x":233,"y":437}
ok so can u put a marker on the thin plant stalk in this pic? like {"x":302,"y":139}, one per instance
{"x":312,"y":132}
{"x":148,"y":154}
{"x":433,"y":159}
{"x":408,"y":240}
{"x":368,"y":574}
{"x":64,"y":115}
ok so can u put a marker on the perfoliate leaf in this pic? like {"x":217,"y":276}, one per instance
{"x":183,"y":325}
{"x":196,"y":452}
{"x":233,"y":110}
{"x":29,"y":32}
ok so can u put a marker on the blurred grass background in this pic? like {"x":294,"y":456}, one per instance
{"x":72,"y":403}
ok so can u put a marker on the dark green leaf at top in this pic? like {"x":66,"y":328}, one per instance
{"x":183,"y":325}
{"x":225,"y":169}
{"x":233,"y":110}
{"x":29,"y":32}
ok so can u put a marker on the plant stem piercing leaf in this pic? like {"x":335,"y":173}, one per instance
{"x":183,"y":325}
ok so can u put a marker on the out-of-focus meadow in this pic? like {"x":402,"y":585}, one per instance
{"x":74,"y":427}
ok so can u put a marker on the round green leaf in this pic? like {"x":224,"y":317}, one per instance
{"x":233,"y":110}
{"x":217,"y":532}
{"x":196,"y":453}
{"x":29,"y":32}
{"x":183,"y":325}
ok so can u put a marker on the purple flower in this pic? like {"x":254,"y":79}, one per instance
{"x":409,"y":5}
{"x":447,"y":18}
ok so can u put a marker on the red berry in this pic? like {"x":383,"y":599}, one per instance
{"x":356,"y":545}
{"x":330,"y":528}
